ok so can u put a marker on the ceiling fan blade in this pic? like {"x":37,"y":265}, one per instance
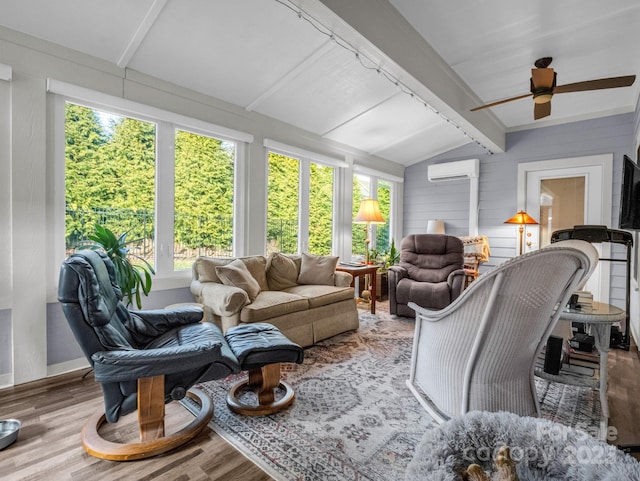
{"x":542,"y":77}
{"x":498,"y":102}
{"x":541,"y":110}
{"x":603,"y":83}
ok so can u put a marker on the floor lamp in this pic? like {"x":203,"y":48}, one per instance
{"x":521,"y":218}
{"x":368,"y":214}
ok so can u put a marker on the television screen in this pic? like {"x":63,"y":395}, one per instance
{"x":630,"y":196}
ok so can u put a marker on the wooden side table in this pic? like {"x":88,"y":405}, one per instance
{"x":363,"y":270}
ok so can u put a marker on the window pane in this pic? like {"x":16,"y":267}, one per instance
{"x":561,"y":205}
{"x":320,"y":209}
{"x":109,"y":177}
{"x":282,"y":204}
{"x":382,"y":230}
{"x":204,"y":179}
{"x":358,"y":231}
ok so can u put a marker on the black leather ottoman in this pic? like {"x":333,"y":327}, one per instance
{"x":260,"y":348}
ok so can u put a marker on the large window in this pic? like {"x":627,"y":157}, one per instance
{"x":116,"y":175}
{"x":299,"y":206}
{"x":367,"y":187}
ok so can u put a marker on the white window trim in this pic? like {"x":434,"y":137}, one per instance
{"x":360,"y":169}
{"x":101,"y":100}
{"x":299,"y":153}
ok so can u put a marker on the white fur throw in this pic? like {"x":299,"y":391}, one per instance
{"x":542,"y":450}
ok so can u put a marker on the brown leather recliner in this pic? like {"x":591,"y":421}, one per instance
{"x":430,"y":273}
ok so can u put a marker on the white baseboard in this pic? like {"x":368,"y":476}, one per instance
{"x":6,"y":380}
{"x":67,"y":366}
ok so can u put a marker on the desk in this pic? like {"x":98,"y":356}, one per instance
{"x":598,"y":323}
{"x":362,"y":271}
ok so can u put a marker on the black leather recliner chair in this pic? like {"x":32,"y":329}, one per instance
{"x":139,"y":357}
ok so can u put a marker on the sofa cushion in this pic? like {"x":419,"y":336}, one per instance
{"x":205,"y":268}
{"x":282,"y":272}
{"x":270,"y":304}
{"x":236,"y":274}
{"x":320,"y":295}
{"x":257,"y":265}
{"x":317,"y":270}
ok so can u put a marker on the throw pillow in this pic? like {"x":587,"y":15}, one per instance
{"x":282,"y":272}
{"x":318,"y":270}
{"x":236,"y":274}
{"x":206,"y":268}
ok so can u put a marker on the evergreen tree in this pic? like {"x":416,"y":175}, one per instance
{"x":282,"y":206}
{"x":84,"y":168}
{"x":204,"y":170}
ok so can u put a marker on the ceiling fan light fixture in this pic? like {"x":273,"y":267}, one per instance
{"x":542,"y":86}
{"x":542,"y":97}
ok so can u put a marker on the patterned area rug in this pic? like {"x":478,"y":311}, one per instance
{"x":353,"y":417}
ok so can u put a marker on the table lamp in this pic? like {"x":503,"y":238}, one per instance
{"x":368,"y":214}
{"x":435,"y":226}
{"x":521,"y":218}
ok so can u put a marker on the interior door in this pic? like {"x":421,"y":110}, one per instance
{"x":559,"y":198}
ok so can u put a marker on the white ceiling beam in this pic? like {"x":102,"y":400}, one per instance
{"x":378,"y":30}
{"x":313,"y":58}
{"x":141,"y":33}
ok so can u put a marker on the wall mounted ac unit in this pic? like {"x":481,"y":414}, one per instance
{"x":462,"y":169}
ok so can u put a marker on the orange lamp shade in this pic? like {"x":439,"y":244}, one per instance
{"x":521,"y":218}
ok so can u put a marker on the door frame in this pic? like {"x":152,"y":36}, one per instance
{"x":602,"y":161}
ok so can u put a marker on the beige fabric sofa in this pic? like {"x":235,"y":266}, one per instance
{"x":303,"y":296}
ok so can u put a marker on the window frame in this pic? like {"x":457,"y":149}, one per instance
{"x":305,"y":159}
{"x":396,"y":184}
{"x":167,"y":123}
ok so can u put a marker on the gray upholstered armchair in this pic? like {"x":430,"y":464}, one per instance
{"x":142,"y":359}
{"x":430,"y":273}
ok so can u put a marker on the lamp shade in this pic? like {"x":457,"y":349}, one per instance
{"x":521,"y":218}
{"x":435,"y":226}
{"x":369,"y":213}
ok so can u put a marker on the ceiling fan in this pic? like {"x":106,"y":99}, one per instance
{"x":543,"y":87}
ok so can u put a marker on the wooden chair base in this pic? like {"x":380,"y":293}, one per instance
{"x":265,"y":380}
{"x":152,"y":439}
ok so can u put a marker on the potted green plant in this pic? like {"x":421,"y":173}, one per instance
{"x":131,"y":278}
{"x":387,"y":258}
{"x":392,"y":256}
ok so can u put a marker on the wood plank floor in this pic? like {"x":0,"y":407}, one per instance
{"x":53,"y":411}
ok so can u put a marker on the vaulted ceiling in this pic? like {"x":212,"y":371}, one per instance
{"x":393,"y":78}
